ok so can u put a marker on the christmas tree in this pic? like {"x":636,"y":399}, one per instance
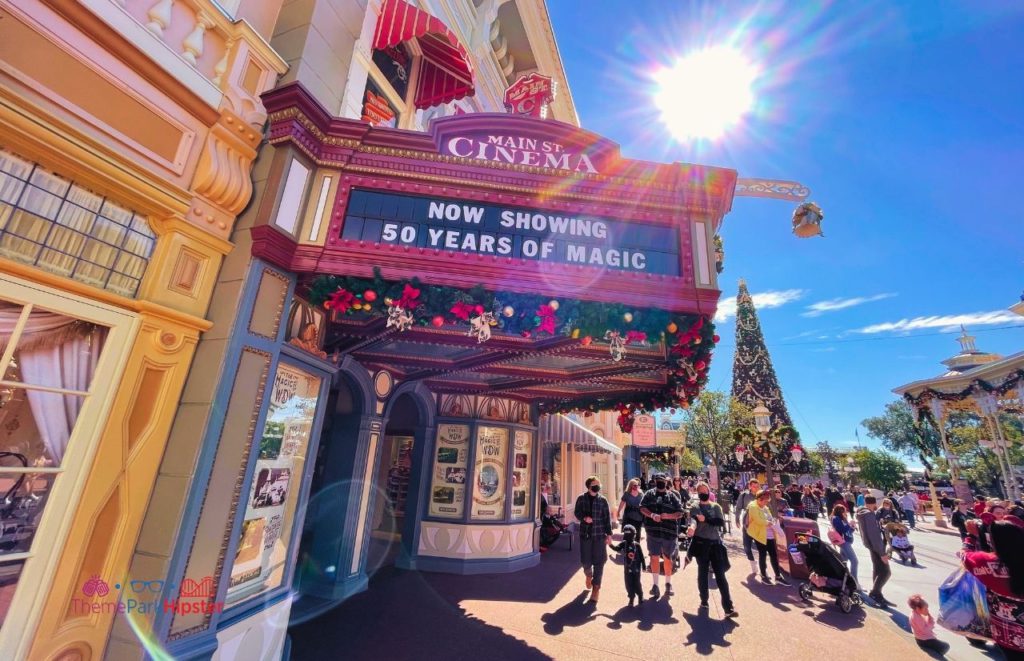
{"x":753,"y":377}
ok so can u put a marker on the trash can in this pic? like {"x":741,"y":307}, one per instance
{"x":792,"y":526}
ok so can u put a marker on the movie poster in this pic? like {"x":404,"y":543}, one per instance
{"x":522,"y":468}
{"x":262,"y":552}
{"x":489,"y":486}
{"x":448,"y":484}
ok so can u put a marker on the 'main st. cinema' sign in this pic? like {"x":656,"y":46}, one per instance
{"x":501,"y":231}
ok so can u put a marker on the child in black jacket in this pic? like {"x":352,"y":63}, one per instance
{"x":633,"y":563}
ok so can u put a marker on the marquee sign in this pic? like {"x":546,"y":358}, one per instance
{"x":530,"y":95}
{"x":504,"y":231}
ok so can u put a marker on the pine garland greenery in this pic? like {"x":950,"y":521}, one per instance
{"x":690,"y":338}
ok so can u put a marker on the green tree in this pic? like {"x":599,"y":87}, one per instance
{"x":879,"y":469}
{"x":900,"y":433}
{"x":816,"y":462}
{"x":689,"y":462}
{"x":711,"y":424}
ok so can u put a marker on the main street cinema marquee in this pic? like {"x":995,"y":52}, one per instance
{"x":504,"y":255}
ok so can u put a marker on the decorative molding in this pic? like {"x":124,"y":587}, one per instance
{"x":223,"y":173}
{"x":278,"y":311}
{"x":460,"y":541}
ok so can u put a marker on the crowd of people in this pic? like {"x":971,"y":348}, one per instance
{"x":675,"y":514}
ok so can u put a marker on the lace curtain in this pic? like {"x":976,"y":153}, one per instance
{"x":58,"y":352}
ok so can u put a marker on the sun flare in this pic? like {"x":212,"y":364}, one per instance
{"x":705,"y":93}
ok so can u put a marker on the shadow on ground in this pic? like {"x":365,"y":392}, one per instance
{"x":409,"y":615}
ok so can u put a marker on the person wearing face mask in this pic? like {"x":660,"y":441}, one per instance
{"x":629,"y":507}
{"x":662,"y":510}
{"x":709,"y":550}
{"x":595,"y":519}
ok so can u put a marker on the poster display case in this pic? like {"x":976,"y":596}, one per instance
{"x":262,"y":553}
{"x":522,"y":469}
{"x":489,"y":474}
{"x":448,"y":481}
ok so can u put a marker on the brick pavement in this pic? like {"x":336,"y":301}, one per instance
{"x":540,"y":613}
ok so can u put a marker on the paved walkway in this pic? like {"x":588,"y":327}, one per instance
{"x":540,"y":613}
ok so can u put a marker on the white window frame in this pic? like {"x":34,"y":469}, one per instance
{"x":406,"y":106}
{"x":35,"y":581}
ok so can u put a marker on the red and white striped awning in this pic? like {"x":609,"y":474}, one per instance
{"x":445,"y":71}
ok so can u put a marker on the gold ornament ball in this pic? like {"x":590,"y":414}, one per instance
{"x":388,"y":301}
{"x":553,"y":304}
{"x":672,"y":328}
{"x":628,"y":317}
{"x":508,"y":311}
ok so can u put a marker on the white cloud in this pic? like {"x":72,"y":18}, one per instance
{"x":821,"y":307}
{"x":762,"y":301}
{"x":944,"y":322}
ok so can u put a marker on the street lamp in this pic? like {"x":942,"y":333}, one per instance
{"x":764,"y":441}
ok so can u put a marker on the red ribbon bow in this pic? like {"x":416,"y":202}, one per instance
{"x":409,"y":298}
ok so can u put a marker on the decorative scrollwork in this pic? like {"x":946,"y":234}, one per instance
{"x":773,"y":188}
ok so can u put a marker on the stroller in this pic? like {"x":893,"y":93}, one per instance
{"x":828,"y":572}
{"x":551,"y":529}
{"x":899,"y":544}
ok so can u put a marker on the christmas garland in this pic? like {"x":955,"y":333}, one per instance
{"x":1011,"y":382}
{"x":690,"y":338}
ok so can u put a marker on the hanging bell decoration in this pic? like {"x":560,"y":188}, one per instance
{"x":617,"y":345}
{"x":480,"y":327}
{"x":399,"y":318}
{"x":807,"y":220}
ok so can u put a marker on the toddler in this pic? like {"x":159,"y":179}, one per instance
{"x":902,"y":545}
{"x":923,"y":625}
{"x":633,"y":563}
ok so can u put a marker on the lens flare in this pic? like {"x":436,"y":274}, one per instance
{"x":705,"y":93}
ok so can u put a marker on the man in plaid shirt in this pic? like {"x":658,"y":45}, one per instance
{"x":595,"y":534}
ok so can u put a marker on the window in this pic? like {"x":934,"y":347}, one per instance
{"x":261,"y":556}
{"x":50,"y":222}
{"x":287,"y":217}
{"x":59,"y":360}
{"x":387,"y":99}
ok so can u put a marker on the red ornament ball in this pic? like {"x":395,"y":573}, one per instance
{"x":369,"y":296}
{"x":715,"y":339}
{"x":437,"y":321}
{"x":586,"y":341}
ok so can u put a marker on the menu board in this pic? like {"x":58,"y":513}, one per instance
{"x":522,"y":469}
{"x":448,"y":484}
{"x":262,"y":554}
{"x":489,"y":474}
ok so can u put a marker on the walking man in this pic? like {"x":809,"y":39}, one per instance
{"x":872,"y":537}
{"x":908,"y":501}
{"x":662,"y":510}
{"x":745,"y":498}
{"x":595,"y":534}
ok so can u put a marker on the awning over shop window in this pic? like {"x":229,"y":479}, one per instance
{"x":445,"y":71}
{"x":558,"y":428}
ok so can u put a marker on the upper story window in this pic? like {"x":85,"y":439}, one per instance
{"x":386,"y":100}
{"x":51,"y":222}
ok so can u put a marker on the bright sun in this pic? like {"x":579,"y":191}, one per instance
{"x":705,"y":93}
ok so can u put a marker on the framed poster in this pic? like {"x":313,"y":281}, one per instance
{"x":522,"y":469}
{"x":262,"y":553}
{"x":489,"y":486}
{"x":448,"y":481}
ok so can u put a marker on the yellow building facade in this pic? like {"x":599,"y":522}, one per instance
{"x":127,"y":134}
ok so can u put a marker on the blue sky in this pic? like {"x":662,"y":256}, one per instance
{"x":905,"y":120}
